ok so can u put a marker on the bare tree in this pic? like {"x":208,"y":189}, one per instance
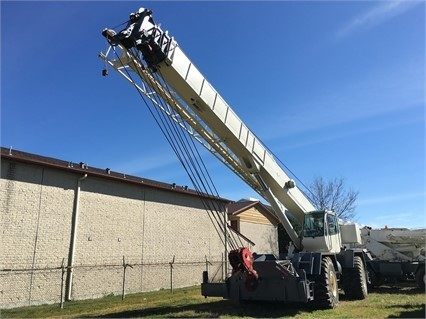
{"x":333,"y":195}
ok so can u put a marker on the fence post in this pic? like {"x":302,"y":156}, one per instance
{"x":206,"y":273}
{"x":222,"y":266}
{"x":62,"y":282}
{"x":123,"y":292}
{"x":124,"y":279}
{"x":171,"y":273}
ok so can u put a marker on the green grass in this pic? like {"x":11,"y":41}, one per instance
{"x":387,"y":302}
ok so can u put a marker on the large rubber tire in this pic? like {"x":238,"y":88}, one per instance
{"x":421,"y":278}
{"x":355,"y":280}
{"x":375,"y":280}
{"x":326,"y":289}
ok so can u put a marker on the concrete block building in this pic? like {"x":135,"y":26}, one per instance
{"x":69,"y":231}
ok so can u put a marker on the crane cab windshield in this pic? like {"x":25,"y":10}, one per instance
{"x":314,"y":224}
{"x":320,"y":223}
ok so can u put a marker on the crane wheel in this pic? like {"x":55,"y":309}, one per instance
{"x":354,"y":280}
{"x":375,"y":280}
{"x":421,"y":278}
{"x":326,"y":288}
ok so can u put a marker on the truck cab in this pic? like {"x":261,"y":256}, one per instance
{"x":321,"y":232}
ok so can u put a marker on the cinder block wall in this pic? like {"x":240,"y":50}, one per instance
{"x":147,"y":226}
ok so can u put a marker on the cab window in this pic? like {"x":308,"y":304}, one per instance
{"x":314,"y":225}
{"x":332,"y":224}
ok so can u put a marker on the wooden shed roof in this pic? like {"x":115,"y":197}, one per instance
{"x":241,"y":206}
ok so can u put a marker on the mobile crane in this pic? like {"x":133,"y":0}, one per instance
{"x":398,"y":255}
{"x":320,"y":264}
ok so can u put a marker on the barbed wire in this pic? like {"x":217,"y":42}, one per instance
{"x":25,"y":286}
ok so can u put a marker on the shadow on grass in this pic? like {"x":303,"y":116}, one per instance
{"x":213,"y":309}
{"x":396,"y":289}
{"x":411,"y":311}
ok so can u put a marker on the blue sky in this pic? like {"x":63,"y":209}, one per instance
{"x":334,"y":88}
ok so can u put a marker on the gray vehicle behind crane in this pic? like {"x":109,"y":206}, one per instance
{"x":321,"y":262}
{"x":398,"y":255}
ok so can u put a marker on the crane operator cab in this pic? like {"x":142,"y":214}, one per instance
{"x":321,"y":232}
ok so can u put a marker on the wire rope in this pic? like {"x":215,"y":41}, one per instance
{"x":186,"y":151}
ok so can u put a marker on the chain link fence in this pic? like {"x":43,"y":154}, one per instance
{"x":49,"y":285}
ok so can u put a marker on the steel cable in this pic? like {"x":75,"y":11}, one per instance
{"x":173,"y":127}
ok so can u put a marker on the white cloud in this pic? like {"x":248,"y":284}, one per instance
{"x":383,"y":91}
{"x":377,"y":15}
{"x":342,"y":134}
{"x":404,"y":210}
{"x":145,"y":162}
{"x":410,"y":220}
{"x":391,"y":198}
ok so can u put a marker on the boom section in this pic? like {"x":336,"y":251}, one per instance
{"x":223,"y":130}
